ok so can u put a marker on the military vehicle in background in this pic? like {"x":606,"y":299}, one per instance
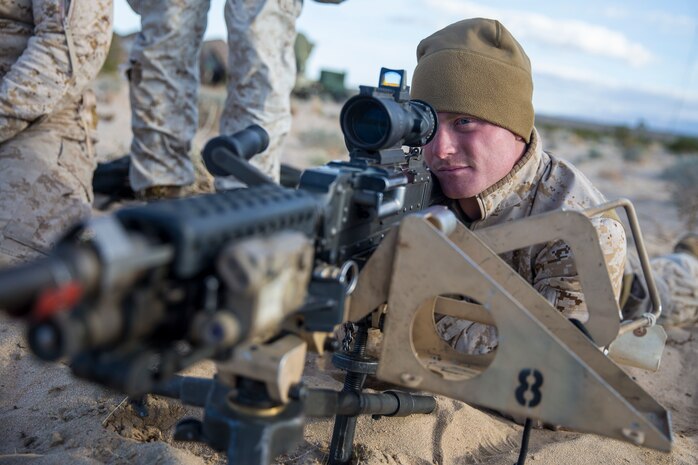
{"x":330,"y":83}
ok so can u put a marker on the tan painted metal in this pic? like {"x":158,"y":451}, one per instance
{"x":643,"y":351}
{"x":374,"y":280}
{"x":648,"y":319}
{"x":279,"y":365}
{"x":265,"y":280}
{"x":577,"y":232}
{"x":543,"y":368}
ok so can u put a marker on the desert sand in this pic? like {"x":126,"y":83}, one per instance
{"x":49,"y":417}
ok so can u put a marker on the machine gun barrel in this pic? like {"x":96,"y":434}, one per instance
{"x":75,"y":270}
{"x":19,"y":287}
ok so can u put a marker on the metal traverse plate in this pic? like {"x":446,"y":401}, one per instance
{"x":579,"y":233}
{"x":543,"y":368}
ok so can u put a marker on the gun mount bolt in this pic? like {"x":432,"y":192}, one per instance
{"x":634,"y":434}
{"x":639,"y":332}
{"x":411,"y":380}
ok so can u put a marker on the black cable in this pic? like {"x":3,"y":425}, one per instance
{"x":524,"y":442}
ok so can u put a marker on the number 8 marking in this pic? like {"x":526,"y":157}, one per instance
{"x":524,"y":387}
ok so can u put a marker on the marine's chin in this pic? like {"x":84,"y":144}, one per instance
{"x":455,"y":184}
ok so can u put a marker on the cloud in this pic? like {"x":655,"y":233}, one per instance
{"x":585,"y":77}
{"x":666,"y":22}
{"x":669,"y":22}
{"x":594,"y":40}
{"x":568,"y":33}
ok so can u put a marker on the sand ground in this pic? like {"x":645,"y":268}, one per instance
{"x":49,"y":417}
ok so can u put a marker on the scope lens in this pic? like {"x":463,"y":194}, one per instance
{"x":380,"y":122}
{"x":368,"y":122}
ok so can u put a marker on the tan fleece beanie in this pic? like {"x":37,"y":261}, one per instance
{"x":476,"y":67}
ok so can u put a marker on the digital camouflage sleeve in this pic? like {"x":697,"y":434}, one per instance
{"x":51,"y":50}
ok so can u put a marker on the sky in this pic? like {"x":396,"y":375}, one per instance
{"x":614,"y":61}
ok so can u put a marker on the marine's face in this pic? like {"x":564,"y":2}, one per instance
{"x":468,"y":155}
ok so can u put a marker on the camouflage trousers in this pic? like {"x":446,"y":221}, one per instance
{"x":676,"y":277}
{"x":45,"y":185}
{"x":164,"y":82}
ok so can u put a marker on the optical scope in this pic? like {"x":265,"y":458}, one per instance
{"x":384,"y":117}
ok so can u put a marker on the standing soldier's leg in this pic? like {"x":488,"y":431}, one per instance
{"x":46,"y":186}
{"x":261,"y":72}
{"x":164,"y":83}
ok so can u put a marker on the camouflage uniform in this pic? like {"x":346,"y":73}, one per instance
{"x":539,"y":183}
{"x":676,"y":277}
{"x":164,"y":76}
{"x":51,"y":50}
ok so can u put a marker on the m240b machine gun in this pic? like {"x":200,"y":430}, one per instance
{"x":254,"y":277}
{"x":249,"y":278}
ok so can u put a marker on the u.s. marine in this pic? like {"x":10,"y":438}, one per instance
{"x":51,"y":50}
{"x":490,"y":163}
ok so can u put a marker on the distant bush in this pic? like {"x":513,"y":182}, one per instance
{"x":318,"y":159}
{"x":114,"y":56}
{"x":587,"y":134}
{"x":322,"y":145}
{"x":683,"y":179}
{"x":682,"y":145}
{"x":611,"y":174}
{"x":548,"y":127}
{"x":628,"y":137}
{"x":595,"y":153}
{"x":633,"y":154}
{"x":633,"y":142}
{"x":329,"y":141}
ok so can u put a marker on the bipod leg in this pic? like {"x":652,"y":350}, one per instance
{"x":324,"y":403}
{"x":357,"y":367}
